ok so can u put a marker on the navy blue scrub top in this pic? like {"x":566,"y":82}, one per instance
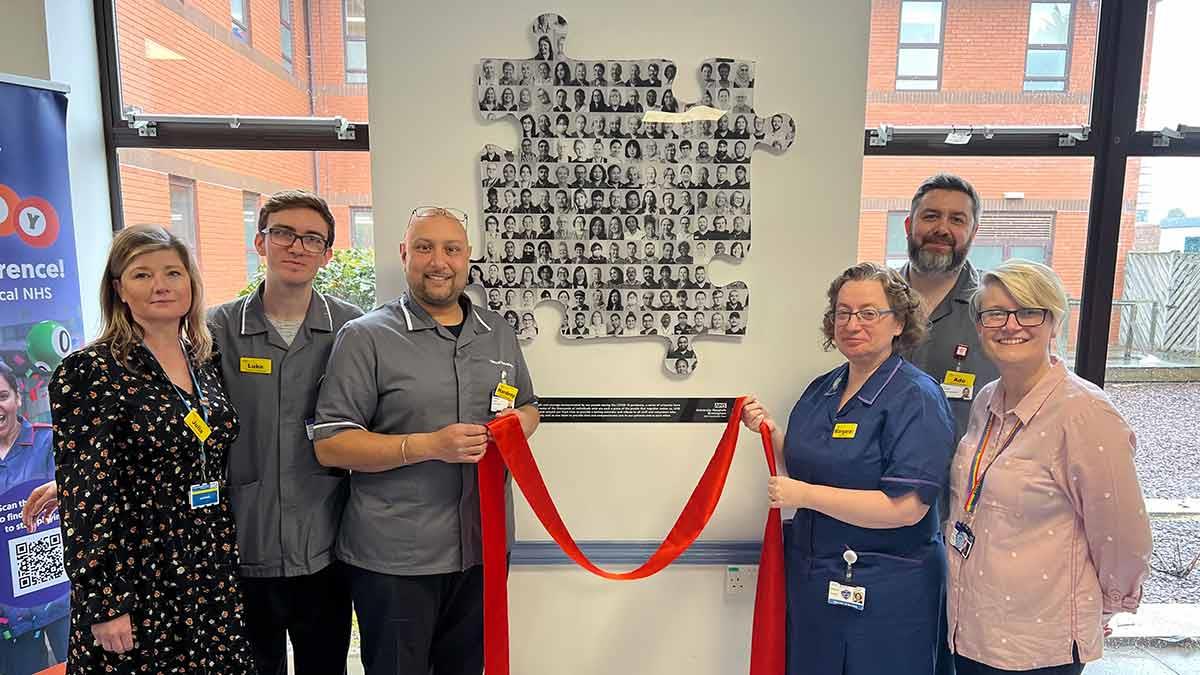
{"x":31,"y":457}
{"x":904,"y":442}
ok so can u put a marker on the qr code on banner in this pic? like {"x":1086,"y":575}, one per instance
{"x":37,"y":561}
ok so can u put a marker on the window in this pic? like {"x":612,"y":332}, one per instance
{"x":285,"y":33}
{"x":1169,"y":95}
{"x":159,"y":186}
{"x":1001,"y":235}
{"x":1191,"y":244}
{"x":183,"y":210}
{"x":250,"y":227}
{"x":356,"y":41}
{"x":175,"y":58}
{"x":1048,"y":58}
{"x":919,"y":60}
{"x":239,"y":10}
{"x":362,"y":228}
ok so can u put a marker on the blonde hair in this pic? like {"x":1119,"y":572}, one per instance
{"x":902,"y":299}
{"x":120,"y":330}
{"x":1031,"y":284}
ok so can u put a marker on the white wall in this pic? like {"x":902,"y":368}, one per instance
{"x":622,"y":482}
{"x":57,"y":41}
{"x":23,"y":39}
{"x":71,"y":37}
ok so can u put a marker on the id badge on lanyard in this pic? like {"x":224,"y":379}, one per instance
{"x":963,"y":538}
{"x":205,"y":493}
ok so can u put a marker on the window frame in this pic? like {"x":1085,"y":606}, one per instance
{"x":901,"y":46}
{"x":346,"y":40}
{"x":1065,"y":48}
{"x":240,"y":29}
{"x":358,"y":211}
{"x":250,"y":222}
{"x":287,"y":9}
{"x":1110,"y":140}
{"x":175,"y":182}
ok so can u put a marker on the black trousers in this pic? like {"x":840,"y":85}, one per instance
{"x":969,"y":667}
{"x":314,"y":609}
{"x":420,"y":625}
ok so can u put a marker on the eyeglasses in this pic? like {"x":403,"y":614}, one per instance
{"x":868,"y":315}
{"x":431,"y":211}
{"x":1027,"y":317}
{"x":284,"y":238}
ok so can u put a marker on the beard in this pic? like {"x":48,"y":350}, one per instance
{"x":437,"y":297}
{"x":926,"y":261}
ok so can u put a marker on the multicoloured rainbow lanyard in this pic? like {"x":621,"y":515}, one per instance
{"x":978,"y":470}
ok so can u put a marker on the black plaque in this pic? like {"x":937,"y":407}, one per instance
{"x":635,"y":410}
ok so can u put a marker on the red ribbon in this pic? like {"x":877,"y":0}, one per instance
{"x":509,"y":448}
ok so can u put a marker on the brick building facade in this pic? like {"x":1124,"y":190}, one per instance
{"x":965,"y":62}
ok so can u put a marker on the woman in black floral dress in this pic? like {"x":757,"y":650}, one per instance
{"x":152,"y":558}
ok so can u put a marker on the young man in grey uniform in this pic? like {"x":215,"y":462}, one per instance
{"x":409,"y":388}
{"x":940,"y":228}
{"x":274,"y":344}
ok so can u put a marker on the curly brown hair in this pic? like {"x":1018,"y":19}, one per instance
{"x":902,"y":299}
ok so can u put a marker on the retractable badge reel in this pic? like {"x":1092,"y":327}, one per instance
{"x":847,"y":595}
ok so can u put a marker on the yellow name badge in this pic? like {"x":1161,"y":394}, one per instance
{"x":250,"y":364}
{"x":197,"y":424}
{"x":845,"y":430}
{"x":957,"y":379}
{"x":506,"y":392}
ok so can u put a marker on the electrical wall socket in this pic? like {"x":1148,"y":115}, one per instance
{"x":740,"y":579}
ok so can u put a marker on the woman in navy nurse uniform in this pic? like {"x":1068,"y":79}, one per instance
{"x":867,"y":452}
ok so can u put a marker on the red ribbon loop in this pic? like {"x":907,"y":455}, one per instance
{"x":509,"y":448}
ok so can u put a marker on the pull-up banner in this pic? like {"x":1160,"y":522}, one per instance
{"x":40,"y":323}
{"x":509,"y":449}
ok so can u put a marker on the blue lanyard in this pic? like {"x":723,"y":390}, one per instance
{"x":198,"y":391}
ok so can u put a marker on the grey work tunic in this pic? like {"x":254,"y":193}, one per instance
{"x":952,"y":323}
{"x":397,"y":371}
{"x":287,"y":506}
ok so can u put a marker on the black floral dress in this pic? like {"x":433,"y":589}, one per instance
{"x":133,"y":544}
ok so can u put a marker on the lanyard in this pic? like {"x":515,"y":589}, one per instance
{"x":978,"y":471}
{"x":198,"y":391}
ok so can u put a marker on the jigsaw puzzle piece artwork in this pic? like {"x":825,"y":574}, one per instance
{"x":619,"y":194}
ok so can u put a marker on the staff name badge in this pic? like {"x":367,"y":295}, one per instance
{"x":845,"y":430}
{"x":854,"y":597}
{"x":959,"y":385}
{"x":504,"y":397}
{"x":963,"y":540}
{"x":196,"y":423}
{"x":252,"y":364}
{"x":201,"y":495}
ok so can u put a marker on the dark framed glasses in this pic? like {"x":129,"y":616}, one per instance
{"x":284,"y":238}
{"x":1027,"y":317}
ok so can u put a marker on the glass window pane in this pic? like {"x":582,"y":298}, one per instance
{"x":1153,"y":369}
{"x":153,"y":192}
{"x":1169,"y":93}
{"x":356,"y":56}
{"x":1034,"y":253}
{"x":981,"y":79}
{"x":917,"y":85}
{"x":1046,"y":63}
{"x":1027,"y":202}
{"x":1049,"y":23}
{"x":362,"y":228}
{"x":986,"y":257}
{"x":356,"y":19}
{"x":285,"y":44}
{"x":183,"y":210}
{"x":921,"y":22}
{"x":237,"y":10}
{"x":1045,"y":85}
{"x":897,"y":240}
{"x":918,"y":62}
{"x":183,"y":58}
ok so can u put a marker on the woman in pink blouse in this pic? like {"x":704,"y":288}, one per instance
{"x":1048,"y":532}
